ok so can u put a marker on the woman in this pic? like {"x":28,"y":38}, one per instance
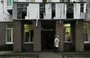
{"x":56,"y":43}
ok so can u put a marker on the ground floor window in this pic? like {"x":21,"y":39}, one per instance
{"x":9,"y":33}
{"x":86,"y":33}
{"x":28,"y":33}
{"x":67,"y":33}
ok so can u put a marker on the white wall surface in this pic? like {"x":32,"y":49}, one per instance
{"x":32,"y":11}
{"x":4,"y":15}
{"x":29,"y":0}
{"x":55,"y":0}
{"x":76,"y":11}
{"x":1,"y":7}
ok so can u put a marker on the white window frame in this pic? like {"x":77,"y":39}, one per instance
{"x":11,"y":36}
{"x":86,"y":42}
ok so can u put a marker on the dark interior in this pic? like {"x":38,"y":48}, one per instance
{"x":47,"y":36}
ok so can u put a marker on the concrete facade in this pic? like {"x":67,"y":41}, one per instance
{"x":32,"y":15}
{"x":2,"y":33}
{"x":18,"y":36}
{"x":37,"y":36}
{"x":79,"y":40}
{"x":60,"y":32}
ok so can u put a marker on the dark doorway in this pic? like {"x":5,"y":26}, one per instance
{"x":47,"y":36}
{"x":47,"y":40}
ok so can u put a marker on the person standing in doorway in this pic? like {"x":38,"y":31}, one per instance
{"x":56,"y":43}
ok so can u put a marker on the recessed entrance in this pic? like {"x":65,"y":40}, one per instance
{"x":47,"y":35}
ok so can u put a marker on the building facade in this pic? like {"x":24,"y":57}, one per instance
{"x":31,"y":25}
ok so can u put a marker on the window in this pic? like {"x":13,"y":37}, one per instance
{"x":45,"y":0}
{"x":9,"y":2}
{"x":65,"y":0}
{"x":53,"y":11}
{"x":67,"y":33}
{"x":85,"y":33}
{"x":28,"y":33}
{"x":9,"y":34}
{"x":68,"y":0}
{"x":82,"y":7}
{"x":42,"y":10}
{"x":70,"y":13}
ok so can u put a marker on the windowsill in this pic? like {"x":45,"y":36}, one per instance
{"x":28,"y":43}
{"x":9,"y":43}
{"x":86,"y":42}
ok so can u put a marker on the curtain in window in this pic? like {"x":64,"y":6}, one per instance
{"x":77,"y":11}
{"x":60,"y":11}
{"x":48,"y":11}
{"x":55,"y":0}
{"x":32,"y":11}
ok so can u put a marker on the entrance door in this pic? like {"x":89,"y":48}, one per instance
{"x":47,"y":35}
{"x":47,"y":40}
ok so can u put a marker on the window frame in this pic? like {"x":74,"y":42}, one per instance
{"x":11,"y":36}
{"x":66,"y":41}
{"x":86,"y":42}
{"x":28,"y":42}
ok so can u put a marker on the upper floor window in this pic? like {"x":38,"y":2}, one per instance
{"x":9,"y":2}
{"x":21,"y":11}
{"x":82,"y":7}
{"x":65,"y":0}
{"x":70,"y":13}
{"x":44,"y":0}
